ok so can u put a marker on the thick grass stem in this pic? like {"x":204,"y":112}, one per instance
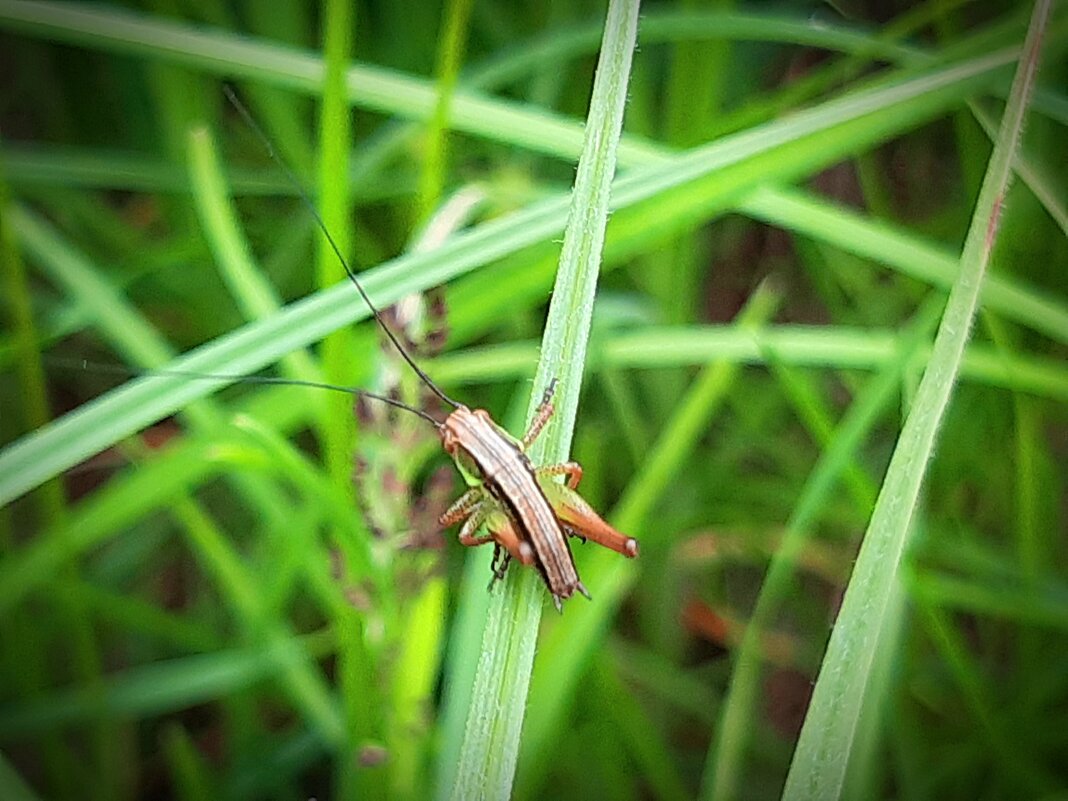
{"x":491,"y":742}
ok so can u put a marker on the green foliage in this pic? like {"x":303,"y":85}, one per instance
{"x":201,"y":596}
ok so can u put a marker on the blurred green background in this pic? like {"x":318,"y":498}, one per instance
{"x":249,"y":598}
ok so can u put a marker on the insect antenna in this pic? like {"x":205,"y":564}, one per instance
{"x":115,"y":369}
{"x":295,"y":182}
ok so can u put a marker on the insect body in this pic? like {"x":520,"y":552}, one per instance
{"x":525,"y":510}
{"x":527,"y":513}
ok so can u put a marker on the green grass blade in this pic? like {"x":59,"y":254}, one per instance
{"x":173,"y":684}
{"x":457,"y":14}
{"x":18,"y":310}
{"x":254,"y":294}
{"x":725,"y":440}
{"x":12,"y":786}
{"x":838,"y":347}
{"x":226,"y":55}
{"x":725,"y":758}
{"x":568,"y":648}
{"x":869,"y":114}
{"x":820,"y":761}
{"x":802,"y":212}
{"x":189,"y":770}
{"x":491,"y":741}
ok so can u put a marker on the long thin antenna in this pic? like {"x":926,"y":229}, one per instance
{"x":116,"y":369}
{"x":292,"y":178}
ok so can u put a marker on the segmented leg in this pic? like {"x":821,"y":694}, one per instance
{"x":499,"y":565}
{"x":604,"y":535}
{"x":580,"y":520}
{"x":573,"y":471}
{"x":501,"y":559}
{"x":572,"y":533}
{"x":502,"y":535}
{"x":549,"y":392}
{"x":461,"y":508}
{"x":470,"y":526}
{"x":476,"y":508}
{"x":580,"y":587}
{"x":541,"y":415}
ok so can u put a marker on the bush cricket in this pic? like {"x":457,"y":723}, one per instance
{"x":527,"y":513}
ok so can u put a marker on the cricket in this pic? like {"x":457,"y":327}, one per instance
{"x":526,"y":512}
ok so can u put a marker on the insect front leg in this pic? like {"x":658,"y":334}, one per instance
{"x":467,"y":531}
{"x":502,"y":554}
{"x":500,"y":531}
{"x":541,"y":415}
{"x":461,"y":508}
